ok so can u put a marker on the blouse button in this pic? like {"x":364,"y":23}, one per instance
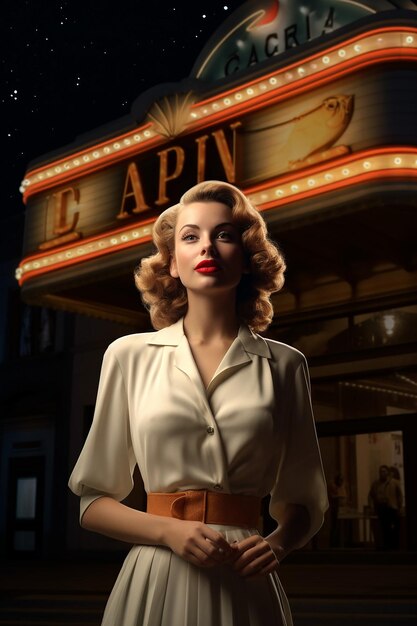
{"x":218,"y":487}
{"x":210,"y":430}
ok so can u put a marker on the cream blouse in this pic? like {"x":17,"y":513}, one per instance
{"x":250,"y":432}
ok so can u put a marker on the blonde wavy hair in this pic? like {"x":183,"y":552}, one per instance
{"x":166,"y":298}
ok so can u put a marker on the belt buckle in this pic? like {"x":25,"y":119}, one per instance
{"x":191,"y":505}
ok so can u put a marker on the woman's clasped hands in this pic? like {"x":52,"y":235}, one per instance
{"x":205,"y":547}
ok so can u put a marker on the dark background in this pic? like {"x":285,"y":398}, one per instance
{"x":69,"y":66}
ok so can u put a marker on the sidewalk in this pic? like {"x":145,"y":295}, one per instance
{"x":73,"y":593}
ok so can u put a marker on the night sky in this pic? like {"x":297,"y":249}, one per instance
{"x":69,"y":66}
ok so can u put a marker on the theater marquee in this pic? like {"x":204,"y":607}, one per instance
{"x":290,"y":102}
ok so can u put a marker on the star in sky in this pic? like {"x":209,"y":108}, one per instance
{"x":69,"y":68}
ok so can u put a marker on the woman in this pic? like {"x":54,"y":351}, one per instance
{"x":216,"y":417}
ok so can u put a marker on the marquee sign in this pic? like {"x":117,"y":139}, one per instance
{"x":283,"y":136}
{"x":264,"y":29}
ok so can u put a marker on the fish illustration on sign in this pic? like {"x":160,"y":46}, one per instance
{"x":308,"y":138}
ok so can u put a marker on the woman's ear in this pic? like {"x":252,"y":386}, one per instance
{"x":173,"y":268}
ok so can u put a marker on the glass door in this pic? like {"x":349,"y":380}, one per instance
{"x":25,"y":506}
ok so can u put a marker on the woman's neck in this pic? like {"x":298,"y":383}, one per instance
{"x":210,"y":319}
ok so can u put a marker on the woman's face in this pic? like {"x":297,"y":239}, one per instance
{"x":208,"y":253}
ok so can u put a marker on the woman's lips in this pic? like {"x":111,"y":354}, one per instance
{"x":207,"y":267}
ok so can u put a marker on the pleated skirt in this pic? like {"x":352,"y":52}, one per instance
{"x":155,"y":587}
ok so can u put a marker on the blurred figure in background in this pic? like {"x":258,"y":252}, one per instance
{"x":386,"y":498}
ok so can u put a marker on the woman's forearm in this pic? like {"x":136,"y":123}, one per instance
{"x":114,"y":519}
{"x":293,"y":525}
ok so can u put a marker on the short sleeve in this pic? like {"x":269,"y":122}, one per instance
{"x":300,"y":478}
{"x":106,"y":463}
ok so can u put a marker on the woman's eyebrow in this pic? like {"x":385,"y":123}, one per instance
{"x":189,"y":226}
{"x":198,"y":227}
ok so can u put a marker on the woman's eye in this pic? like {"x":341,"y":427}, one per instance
{"x":188,"y":237}
{"x":224,"y":234}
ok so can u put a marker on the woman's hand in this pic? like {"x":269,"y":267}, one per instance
{"x":197,"y":543}
{"x":253,"y":556}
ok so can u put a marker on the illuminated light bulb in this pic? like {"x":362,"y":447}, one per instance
{"x":58,"y":170}
{"x":25,"y":182}
{"x":326,"y":60}
{"x":40,"y":176}
{"x":80,"y":251}
{"x":21,"y":189}
{"x":215,"y":106}
{"x":49,"y":173}
{"x":398,"y":160}
{"x":68,"y":255}
{"x":227,"y":101}
{"x":127,"y":142}
{"x":342,"y":53}
{"x":294,"y":187}
{"x":66,"y":166}
{"x":116,"y":146}
{"x":366,"y":165}
{"x":18,"y":273}
{"x":96,"y":154}
{"x":107,"y":149}
{"x":357,"y":48}
{"x":380,"y":39}
{"x":147,"y":133}
{"x":301,"y":71}
{"x":345,"y":171}
{"x":36,"y":264}
{"x":113,"y":241}
{"x":194,"y":115}
{"x":136,"y":137}
{"x":250,"y":91}
{"x":125,"y":238}
{"x":409,"y":39}
{"x":311,"y":182}
{"x":86,"y":158}
{"x":273,"y":80}
{"x":328,"y":176}
{"x":279,"y":192}
{"x":238,"y":96}
{"x":101,"y":244}
{"x":135,"y":234}
{"x":205,"y":111}
{"x":76,"y":161}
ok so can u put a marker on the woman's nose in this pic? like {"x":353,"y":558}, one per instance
{"x":207,"y":246}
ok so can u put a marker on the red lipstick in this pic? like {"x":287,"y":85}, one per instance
{"x":208,"y":266}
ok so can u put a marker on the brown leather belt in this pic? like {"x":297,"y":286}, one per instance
{"x":207,"y":506}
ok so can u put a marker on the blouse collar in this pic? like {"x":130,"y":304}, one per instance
{"x":172,"y":335}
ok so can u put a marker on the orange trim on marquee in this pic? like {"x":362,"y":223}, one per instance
{"x":349,"y":182}
{"x":344,"y":160}
{"x":92,"y":255}
{"x":80,"y":242}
